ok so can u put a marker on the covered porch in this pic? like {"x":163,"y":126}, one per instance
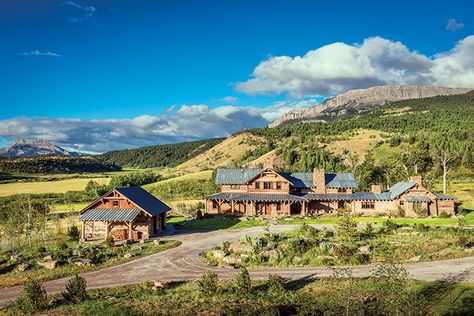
{"x":120,"y":224}
{"x":256,"y":204}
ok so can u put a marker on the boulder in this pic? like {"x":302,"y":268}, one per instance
{"x":415,"y":259}
{"x":218,"y":254}
{"x":158,"y":285}
{"x":364,"y":250}
{"x":128,"y":255}
{"x":83,"y":262}
{"x":136,"y":247}
{"x":15,"y":257}
{"x":48,"y":264}
{"x":270,"y":253}
{"x":23,"y":266}
{"x":239,"y":248}
{"x":77,"y":252}
{"x":156,"y":242}
{"x":48,"y":258}
{"x":326,"y":257}
{"x":232,"y":259}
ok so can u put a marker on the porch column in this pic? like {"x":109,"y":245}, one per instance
{"x":83,"y":231}
{"x":205,"y":205}
{"x":130,"y":230}
{"x":106,"y":229}
{"x":232,"y":205}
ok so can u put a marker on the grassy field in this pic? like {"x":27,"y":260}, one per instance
{"x":223,"y":154}
{"x":60,"y":186}
{"x":357,"y":144}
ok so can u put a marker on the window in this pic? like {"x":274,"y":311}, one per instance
{"x":214,"y":204}
{"x":257,"y":185}
{"x":368,"y":205}
{"x":267,"y":185}
{"x":342,"y":190}
{"x":402,"y":202}
{"x":115,"y":203}
{"x":235,"y":186}
{"x":278,"y":185}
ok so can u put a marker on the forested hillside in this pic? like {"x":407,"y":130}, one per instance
{"x":430,"y":136}
{"x":160,"y":155}
{"x":54,"y":165}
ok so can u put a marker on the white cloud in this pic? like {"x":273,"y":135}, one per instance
{"x":188,"y":122}
{"x":229,"y":99}
{"x":87,"y":12}
{"x":453,"y":25}
{"x":40,"y":53}
{"x":339,"y":67}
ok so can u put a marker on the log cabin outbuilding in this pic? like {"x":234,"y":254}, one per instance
{"x":265,"y":192}
{"x":124,"y":214}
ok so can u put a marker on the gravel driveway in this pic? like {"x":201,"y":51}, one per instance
{"x":184,"y":263}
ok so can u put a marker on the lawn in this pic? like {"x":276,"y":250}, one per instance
{"x":399,"y":296}
{"x":100,"y":255}
{"x":37,"y":187}
{"x":215,"y":223}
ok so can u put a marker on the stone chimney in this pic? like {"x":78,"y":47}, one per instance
{"x":376,"y":188}
{"x":416,"y":179}
{"x":268,"y":164}
{"x":319,"y":180}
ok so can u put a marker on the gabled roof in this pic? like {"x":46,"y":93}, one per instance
{"x":236,"y":175}
{"x":399,"y":188}
{"x":297,"y":179}
{"x":417,"y":198}
{"x":144,"y":200}
{"x":340,"y":180}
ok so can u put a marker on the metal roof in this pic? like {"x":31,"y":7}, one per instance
{"x":110,"y":214}
{"x":442,"y":196}
{"x":417,"y":198}
{"x":236,"y":175}
{"x":277,"y":197}
{"x":298,"y":179}
{"x":144,"y":200}
{"x":370,"y":196}
{"x":399,"y":188}
{"x":328,"y":197}
{"x":340,"y":180}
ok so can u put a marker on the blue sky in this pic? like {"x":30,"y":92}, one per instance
{"x":72,"y":71}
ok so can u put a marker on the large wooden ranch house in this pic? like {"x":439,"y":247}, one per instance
{"x":265,"y":192}
{"x":124,"y":214}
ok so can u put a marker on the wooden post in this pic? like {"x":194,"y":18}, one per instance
{"x":232,"y":205}
{"x":303,"y":208}
{"x":83,"y":233}
{"x":130,"y":230}
{"x":106,"y":229}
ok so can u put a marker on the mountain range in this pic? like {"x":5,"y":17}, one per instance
{"x":356,"y":101}
{"x":36,"y":147}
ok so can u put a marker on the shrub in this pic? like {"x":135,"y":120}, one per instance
{"x":276,"y":284}
{"x":443,"y":214}
{"x":76,"y":290}
{"x":243,"y":284}
{"x":73,"y":232}
{"x":208,"y":283}
{"x":109,"y":241}
{"x":34,"y":297}
{"x":346,"y":228}
{"x":388,"y":226}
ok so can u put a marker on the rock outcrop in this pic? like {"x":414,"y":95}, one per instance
{"x":355,"y":101}
{"x":36,"y":147}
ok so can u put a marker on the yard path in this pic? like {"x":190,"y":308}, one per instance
{"x":184,"y":263}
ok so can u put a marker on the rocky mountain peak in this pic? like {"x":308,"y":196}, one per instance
{"x":355,"y":101}
{"x":35,"y":147}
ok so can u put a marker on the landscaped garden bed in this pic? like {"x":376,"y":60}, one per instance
{"x":65,"y":258}
{"x":345,"y":245}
